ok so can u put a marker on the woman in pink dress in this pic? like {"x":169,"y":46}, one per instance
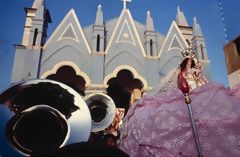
{"x":158,"y":125}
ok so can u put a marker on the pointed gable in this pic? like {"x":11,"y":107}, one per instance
{"x":173,"y":40}
{"x":69,"y":29}
{"x":170,"y":53}
{"x":126,"y":32}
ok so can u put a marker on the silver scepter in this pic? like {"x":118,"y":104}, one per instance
{"x":184,"y":87}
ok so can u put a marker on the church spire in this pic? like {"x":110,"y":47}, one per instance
{"x":149,"y":22}
{"x":180,"y":18}
{"x":99,"y":16}
{"x":98,"y":37}
{"x":196,"y":28}
{"x":38,"y":3}
{"x":150,"y":37}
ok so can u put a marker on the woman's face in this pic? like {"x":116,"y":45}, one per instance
{"x":189,"y":64}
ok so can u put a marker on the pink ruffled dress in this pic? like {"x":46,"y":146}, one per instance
{"x":159,"y":126}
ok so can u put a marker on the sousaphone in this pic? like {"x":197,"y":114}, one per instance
{"x":102,"y":109}
{"x":42,"y":115}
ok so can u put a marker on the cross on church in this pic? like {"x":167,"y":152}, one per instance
{"x":125,"y":2}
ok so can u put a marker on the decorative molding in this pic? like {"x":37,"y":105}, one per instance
{"x":100,"y":53}
{"x":67,"y":63}
{"x":114,"y":33}
{"x":125,"y":35}
{"x":173,"y":25}
{"x":69,"y":27}
{"x":69,"y":14}
{"x":125,"y":67}
{"x":96,"y":86}
{"x":172,"y":48}
{"x":136,"y":32}
{"x":152,"y":57}
{"x":134,"y":28}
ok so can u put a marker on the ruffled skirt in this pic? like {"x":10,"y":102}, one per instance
{"x":159,"y":125}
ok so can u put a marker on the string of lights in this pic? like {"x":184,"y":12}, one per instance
{"x":220,"y":4}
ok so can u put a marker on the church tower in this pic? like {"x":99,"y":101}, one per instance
{"x":150,"y":37}
{"x":28,"y":54}
{"x":199,"y":45}
{"x":37,"y":19}
{"x":183,"y":25}
{"x":98,"y":32}
{"x":199,"y":41}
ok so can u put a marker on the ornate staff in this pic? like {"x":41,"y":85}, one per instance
{"x":184,"y":87}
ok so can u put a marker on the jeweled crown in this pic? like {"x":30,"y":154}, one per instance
{"x":189,"y":52}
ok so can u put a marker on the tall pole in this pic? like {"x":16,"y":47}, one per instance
{"x":194,"y":128}
{"x":184,"y":87}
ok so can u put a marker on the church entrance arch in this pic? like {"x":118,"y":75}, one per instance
{"x":124,"y":89}
{"x":67,"y":75}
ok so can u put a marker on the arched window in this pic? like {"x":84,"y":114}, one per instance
{"x":151,"y":47}
{"x":35,"y":37}
{"x":98,"y":43}
{"x":202,"y":52}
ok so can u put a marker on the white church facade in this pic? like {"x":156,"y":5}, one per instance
{"x":117,"y":57}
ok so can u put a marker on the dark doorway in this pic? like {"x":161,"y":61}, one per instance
{"x":121,"y":88}
{"x":67,"y":75}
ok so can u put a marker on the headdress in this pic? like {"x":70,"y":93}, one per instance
{"x":189,"y":53}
